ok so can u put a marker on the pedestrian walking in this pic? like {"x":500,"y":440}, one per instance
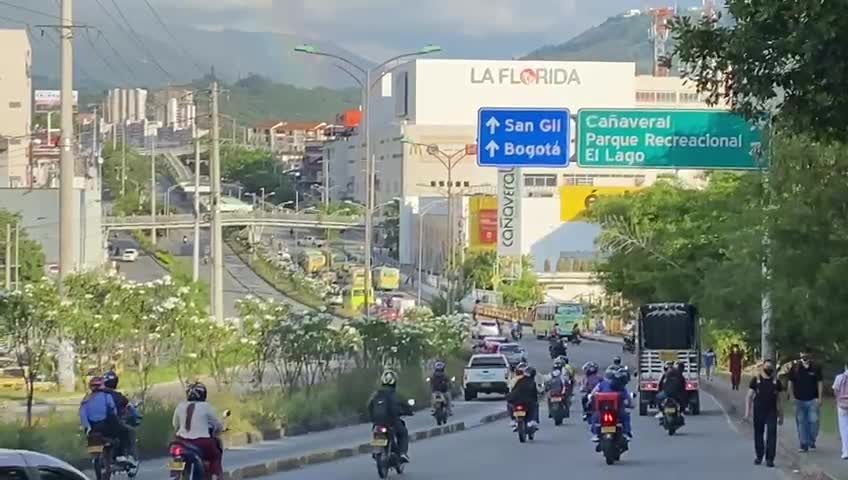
{"x":735,"y":359}
{"x":806,"y":384}
{"x":709,"y":363}
{"x":840,"y":391}
{"x":764,"y":401}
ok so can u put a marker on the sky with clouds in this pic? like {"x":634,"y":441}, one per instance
{"x":379,"y":28}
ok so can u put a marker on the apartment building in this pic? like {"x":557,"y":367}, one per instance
{"x":15,"y":108}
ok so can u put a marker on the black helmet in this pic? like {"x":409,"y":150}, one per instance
{"x":610,"y":372}
{"x":531,"y":372}
{"x":668,"y":365}
{"x":388,"y":378}
{"x":110,"y":379}
{"x":616,"y":361}
{"x":196,"y":392}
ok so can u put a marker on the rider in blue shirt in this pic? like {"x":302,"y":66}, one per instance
{"x":99,"y":414}
{"x":615,"y":380}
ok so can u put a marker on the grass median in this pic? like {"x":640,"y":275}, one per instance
{"x":317,"y":408}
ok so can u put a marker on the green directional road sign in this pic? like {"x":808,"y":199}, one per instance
{"x":696,"y":139}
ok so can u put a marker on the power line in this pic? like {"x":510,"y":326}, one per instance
{"x":96,"y":52}
{"x":30,"y":10}
{"x":120,"y":57}
{"x":139,"y":42}
{"x":170,"y":34}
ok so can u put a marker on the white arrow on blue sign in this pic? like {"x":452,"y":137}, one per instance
{"x":521,"y":137}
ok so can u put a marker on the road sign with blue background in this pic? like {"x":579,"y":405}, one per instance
{"x":523,"y":137}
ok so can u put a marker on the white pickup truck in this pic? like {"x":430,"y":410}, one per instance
{"x":486,"y":373}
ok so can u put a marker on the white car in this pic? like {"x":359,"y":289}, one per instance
{"x":487,"y":328}
{"x":486,"y":373}
{"x":129,"y":255}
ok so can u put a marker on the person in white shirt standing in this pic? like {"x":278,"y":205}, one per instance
{"x":197,"y":424}
{"x":840,"y":391}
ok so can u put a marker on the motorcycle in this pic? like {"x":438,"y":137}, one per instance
{"x":103,"y":452}
{"x":557,"y":406}
{"x":187,"y":461}
{"x":558,"y":349}
{"x":672,"y":419}
{"x":517,"y":332}
{"x":612,"y":441}
{"x":575,"y":339}
{"x":520,"y":412}
{"x":629,"y":345}
{"x":440,"y":408}
{"x":384,"y":450}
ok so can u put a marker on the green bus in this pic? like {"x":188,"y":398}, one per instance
{"x":569,"y":314}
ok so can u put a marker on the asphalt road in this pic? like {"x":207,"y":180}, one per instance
{"x":708,"y":447}
{"x":705,"y":449}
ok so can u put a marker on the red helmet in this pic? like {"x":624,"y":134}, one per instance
{"x":96,"y":383}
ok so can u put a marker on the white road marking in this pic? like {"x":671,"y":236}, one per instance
{"x":729,"y":420}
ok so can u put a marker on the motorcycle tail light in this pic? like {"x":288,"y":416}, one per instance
{"x":382,"y":429}
{"x":608,"y":419}
{"x":691,"y":385}
{"x":519,"y":407}
{"x":177,"y":451}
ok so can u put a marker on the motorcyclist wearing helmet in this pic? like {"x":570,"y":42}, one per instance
{"x":439,"y":382}
{"x":672,"y":385}
{"x":556,"y":348}
{"x":567,"y":368}
{"x":591,"y":379}
{"x":616,"y":361}
{"x":615,"y":380}
{"x":524,"y":392}
{"x":126,"y":413}
{"x":99,"y":414}
{"x":197,"y":424}
{"x":385,"y":407}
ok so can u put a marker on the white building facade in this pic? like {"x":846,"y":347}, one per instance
{"x":436,"y":102}
{"x":15,"y":108}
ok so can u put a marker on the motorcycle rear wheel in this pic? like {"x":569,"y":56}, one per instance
{"x":382,"y":466}
{"x":522,"y":431}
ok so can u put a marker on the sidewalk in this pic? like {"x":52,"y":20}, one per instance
{"x":290,"y":453}
{"x":823,"y":464}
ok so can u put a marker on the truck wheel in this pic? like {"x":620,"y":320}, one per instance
{"x":643,"y":406}
{"x":695,"y":405}
{"x":470,"y":395}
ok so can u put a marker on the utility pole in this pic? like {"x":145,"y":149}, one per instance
{"x":123,"y":158}
{"x":369,"y":190}
{"x":67,"y":210}
{"x":153,"y":190}
{"x":216,"y":235}
{"x":195,"y":264}
{"x":17,"y":256}
{"x":8,"y":260}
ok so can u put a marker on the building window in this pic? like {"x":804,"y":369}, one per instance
{"x":646,"y":97}
{"x":666,"y":97}
{"x":540,"y":181}
{"x":690,"y":98}
{"x":14,"y":104}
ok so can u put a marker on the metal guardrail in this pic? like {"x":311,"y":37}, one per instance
{"x":334,"y":222}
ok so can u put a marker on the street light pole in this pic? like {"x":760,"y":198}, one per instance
{"x":195,"y":264}
{"x":369,"y":157}
{"x":216,"y":233}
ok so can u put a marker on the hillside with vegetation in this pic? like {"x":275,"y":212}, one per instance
{"x":257,"y":98}
{"x":618,"y":39}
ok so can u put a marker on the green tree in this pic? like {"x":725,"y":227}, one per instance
{"x":773,"y":55}
{"x":31,"y":254}
{"x":29,"y":321}
{"x":256,"y":170}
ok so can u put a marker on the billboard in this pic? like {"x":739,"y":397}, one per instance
{"x":575,"y":199}
{"x":482,"y":223}
{"x":488,"y":226}
{"x":509,"y":212}
{"x":51,"y":100}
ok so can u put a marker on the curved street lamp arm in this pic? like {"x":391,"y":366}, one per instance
{"x":341,"y":59}
{"x":350,"y":74}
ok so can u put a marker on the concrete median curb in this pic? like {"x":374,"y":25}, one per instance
{"x":613,"y":340}
{"x":299,"y":461}
{"x":786,"y":448}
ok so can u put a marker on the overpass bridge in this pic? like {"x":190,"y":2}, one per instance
{"x":235,"y":219}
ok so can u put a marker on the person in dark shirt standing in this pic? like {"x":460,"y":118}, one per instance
{"x":806,"y":383}
{"x":735,"y":358}
{"x":764,"y":399}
